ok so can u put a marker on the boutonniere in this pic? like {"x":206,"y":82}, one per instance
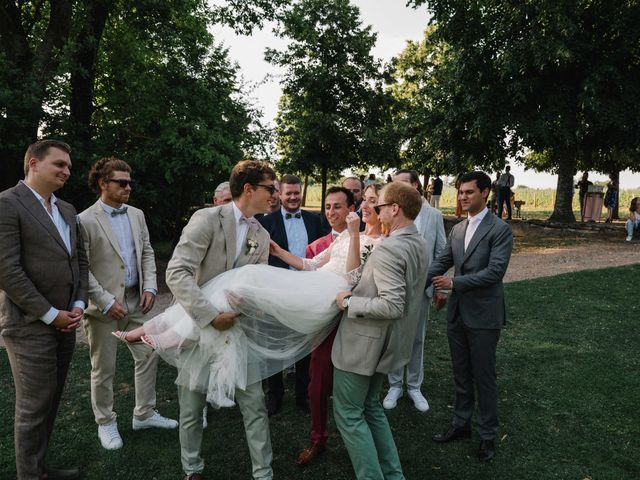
{"x":366,"y":253}
{"x":252,"y":246}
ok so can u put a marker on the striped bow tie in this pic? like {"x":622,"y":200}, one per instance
{"x":119,"y":211}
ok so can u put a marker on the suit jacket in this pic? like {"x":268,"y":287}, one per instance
{"x":274,"y":224}
{"x":432,"y":230}
{"x":207,"y":247}
{"x":106,"y":265}
{"x":384,"y":309}
{"x":319,"y":246}
{"x":478,"y":293}
{"x":37,"y":271}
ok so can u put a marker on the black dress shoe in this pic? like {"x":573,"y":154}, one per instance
{"x":487,"y":450}
{"x":71,"y":473}
{"x":274,"y":404}
{"x":452,"y":434}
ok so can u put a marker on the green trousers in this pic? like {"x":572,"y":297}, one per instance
{"x":364,"y":427}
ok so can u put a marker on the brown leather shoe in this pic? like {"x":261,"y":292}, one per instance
{"x":193,"y":476}
{"x":309,"y":454}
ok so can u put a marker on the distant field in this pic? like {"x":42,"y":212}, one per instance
{"x":538,"y":202}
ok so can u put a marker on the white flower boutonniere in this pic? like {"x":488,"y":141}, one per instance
{"x":252,"y":246}
{"x":366,"y":253}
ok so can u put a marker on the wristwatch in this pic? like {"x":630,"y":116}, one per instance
{"x":345,"y":301}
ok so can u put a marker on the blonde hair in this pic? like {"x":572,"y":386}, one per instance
{"x":405,"y":196}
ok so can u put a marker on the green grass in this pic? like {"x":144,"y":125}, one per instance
{"x":568,"y":366}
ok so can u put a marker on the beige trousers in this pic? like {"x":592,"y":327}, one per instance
{"x":103,"y":347}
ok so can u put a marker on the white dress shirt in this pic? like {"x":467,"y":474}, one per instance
{"x":472,"y":226}
{"x":297,"y":238}
{"x":65,"y":233}
{"x":242,"y":228}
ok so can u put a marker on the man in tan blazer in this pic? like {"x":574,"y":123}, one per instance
{"x":216,"y":240}
{"x":43,"y":292}
{"x":122,"y":289}
{"x":381,"y":314}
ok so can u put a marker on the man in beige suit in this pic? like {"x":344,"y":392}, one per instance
{"x":381,"y":314}
{"x":216,"y":240}
{"x":122,"y":289}
{"x":43,"y":292}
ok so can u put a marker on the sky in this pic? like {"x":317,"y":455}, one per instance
{"x":395,"y":24}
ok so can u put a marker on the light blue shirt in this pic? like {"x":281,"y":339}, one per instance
{"x":121,"y":227}
{"x":297,"y":237}
{"x":65,"y":233}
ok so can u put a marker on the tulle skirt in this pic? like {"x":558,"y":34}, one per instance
{"x":284,"y":314}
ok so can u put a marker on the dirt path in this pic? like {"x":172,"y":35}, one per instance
{"x":528,"y":262}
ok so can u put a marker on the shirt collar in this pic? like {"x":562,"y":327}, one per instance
{"x":40,"y":198}
{"x":237,"y":213}
{"x":284,"y":212}
{"x":108,"y":208}
{"x":479,"y":216}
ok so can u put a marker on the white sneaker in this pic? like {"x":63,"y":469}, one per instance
{"x":419,"y":401}
{"x":205,"y":423}
{"x":629,"y":238}
{"x":154,"y":421}
{"x":109,"y":436}
{"x":391,"y":400}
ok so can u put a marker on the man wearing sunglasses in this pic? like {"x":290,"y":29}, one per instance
{"x":122,"y":290}
{"x":380,"y":315}
{"x":293,"y":229}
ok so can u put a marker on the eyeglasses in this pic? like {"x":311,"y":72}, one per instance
{"x":122,"y":182}
{"x":269,"y":188}
{"x":377,"y":207}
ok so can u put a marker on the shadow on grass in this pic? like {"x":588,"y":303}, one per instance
{"x":568,"y":366}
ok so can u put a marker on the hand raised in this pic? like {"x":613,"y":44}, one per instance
{"x":224,"y":321}
{"x":353,"y":223}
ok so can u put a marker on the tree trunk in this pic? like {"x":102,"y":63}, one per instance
{"x":427,"y":176}
{"x":324,"y":188}
{"x":563,"y":208}
{"x":304,"y":190}
{"x":616,"y":211}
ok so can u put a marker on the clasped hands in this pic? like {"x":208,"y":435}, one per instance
{"x":441,"y":283}
{"x":68,"y":321}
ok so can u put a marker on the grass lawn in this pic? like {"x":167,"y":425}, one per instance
{"x":569,"y":384}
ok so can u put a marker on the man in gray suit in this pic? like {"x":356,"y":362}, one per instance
{"x":215,"y":240}
{"x":381,"y":312}
{"x":43,"y":293}
{"x":430,"y":225}
{"x":479,"y":248}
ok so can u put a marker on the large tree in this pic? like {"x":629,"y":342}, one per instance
{"x":331,"y":89}
{"x":560,"y":75}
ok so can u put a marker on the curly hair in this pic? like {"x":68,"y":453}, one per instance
{"x":103,"y":169}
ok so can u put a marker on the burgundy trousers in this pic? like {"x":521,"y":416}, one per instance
{"x":320,"y":387}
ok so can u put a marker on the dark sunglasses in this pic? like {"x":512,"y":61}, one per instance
{"x":377,"y":207}
{"x":123,"y":183}
{"x":269,"y":188}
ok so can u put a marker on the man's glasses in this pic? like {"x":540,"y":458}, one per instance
{"x":123,"y":183}
{"x":269,"y":188}
{"x":377,"y":207}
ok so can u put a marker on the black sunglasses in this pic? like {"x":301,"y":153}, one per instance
{"x":123,"y":183}
{"x":270,"y":188}
{"x":377,"y":207}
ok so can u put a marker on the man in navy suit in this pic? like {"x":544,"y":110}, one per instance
{"x":293,"y":229}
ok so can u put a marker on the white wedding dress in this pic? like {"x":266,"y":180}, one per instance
{"x":284,"y":315}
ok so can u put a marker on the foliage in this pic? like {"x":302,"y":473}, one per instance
{"x":566,"y":376}
{"x":332,"y":108}
{"x":559,"y":77}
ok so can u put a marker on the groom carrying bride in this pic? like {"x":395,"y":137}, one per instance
{"x":216,"y":240}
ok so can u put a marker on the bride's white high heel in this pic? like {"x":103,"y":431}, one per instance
{"x":122,"y":336}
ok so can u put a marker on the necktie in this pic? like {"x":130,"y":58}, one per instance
{"x":288,"y":216}
{"x":119,"y":211}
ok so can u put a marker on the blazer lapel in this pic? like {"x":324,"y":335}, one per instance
{"x":481,"y":231}
{"x":33,"y":206}
{"x":71,"y":220}
{"x":457,"y":240}
{"x":281,"y":232}
{"x":103,"y":221}
{"x":228,"y":223}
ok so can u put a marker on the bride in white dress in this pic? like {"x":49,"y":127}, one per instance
{"x":284,"y":314}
